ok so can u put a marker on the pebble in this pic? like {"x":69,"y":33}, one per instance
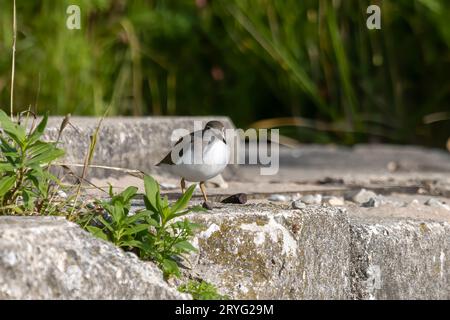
{"x":278,"y":197}
{"x":336,"y":201}
{"x":312,"y":199}
{"x":380,"y":200}
{"x":298,"y":204}
{"x":296,"y":196}
{"x":363,"y":196}
{"x":239,"y":198}
{"x":371,"y":203}
{"x":392,"y":166}
{"x":61,"y":194}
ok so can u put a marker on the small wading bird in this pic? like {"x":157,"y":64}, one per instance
{"x":192,"y":167}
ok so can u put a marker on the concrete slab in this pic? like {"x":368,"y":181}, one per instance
{"x":399,"y":259}
{"x":260,"y":251}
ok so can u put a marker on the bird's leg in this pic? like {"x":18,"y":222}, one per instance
{"x":202,"y":187}
{"x":207,"y":205}
{"x":183,"y":185}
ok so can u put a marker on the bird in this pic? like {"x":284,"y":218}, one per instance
{"x":214,"y":157}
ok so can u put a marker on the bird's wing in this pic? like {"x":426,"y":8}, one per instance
{"x":187,"y":139}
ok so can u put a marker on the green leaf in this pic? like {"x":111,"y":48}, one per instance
{"x":18,"y":210}
{"x":151,"y":193}
{"x":144,"y":215}
{"x":39,"y":147}
{"x":186,"y":225}
{"x":6,"y":183}
{"x":131,"y":243}
{"x":105,"y":223}
{"x":183,"y":201}
{"x":28,"y":199}
{"x":118,"y":213}
{"x":39,"y":131}
{"x":46,"y":157}
{"x":193,"y":209}
{"x":13,"y":130}
{"x":97,"y":232}
{"x":185,"y":246}
{"x":170,"y":267}
{"x":128,"y":194}
{"x":111,"y":192}
{"x":136,"y":229}
{"x":5,"y":166}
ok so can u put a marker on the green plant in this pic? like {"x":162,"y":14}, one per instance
{"x":202,"y":290}
{"x":122,"y":227}
{"x":155,"y":233}
{"x":26,"y":183}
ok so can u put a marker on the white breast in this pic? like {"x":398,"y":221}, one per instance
{"x":214,"y":161}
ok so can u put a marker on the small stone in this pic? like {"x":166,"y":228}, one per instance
{"x":296,"y":196}
{"x":422,"y":191}
{"x":278,"y":198}
{"x":336,"y":201}
{"x":392,"y":166}
{"x":432,"y":202}
{"x":298,"y":204}
{"x":312,"y":199}
{"x":207,"y":205}
{"x":239,"y":198}
{"x":371,"y":203}
{"x":363,"y":196}
{"x":61,"y":194}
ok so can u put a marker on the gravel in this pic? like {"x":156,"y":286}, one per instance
{"x":312,"y":199}
{"x":298,"y":204}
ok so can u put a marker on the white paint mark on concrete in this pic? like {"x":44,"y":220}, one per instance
{"x":208,"y":232}
{"x":442,"y":258}
{"x":272,"y":229}
{"x":260,"y":238}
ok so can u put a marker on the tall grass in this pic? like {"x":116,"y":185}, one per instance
{"x":249,"y":59}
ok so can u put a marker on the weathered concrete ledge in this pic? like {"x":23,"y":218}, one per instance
{"x":51,"y":258}
{"x":400,"y":259}
{"x":254,"y":251}
{"x":264,"y":252}
{"x":267,"y":252}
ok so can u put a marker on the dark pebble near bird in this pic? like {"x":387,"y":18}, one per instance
{"x":238,"y":198}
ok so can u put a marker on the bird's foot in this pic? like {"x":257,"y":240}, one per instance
{"x":208,"y":205}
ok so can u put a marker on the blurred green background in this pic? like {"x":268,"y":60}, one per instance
{"x":309,"y":67}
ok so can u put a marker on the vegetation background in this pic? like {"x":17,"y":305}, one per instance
{"x":309,"y":67}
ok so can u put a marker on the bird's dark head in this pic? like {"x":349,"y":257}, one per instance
{"x":216,"y":127}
